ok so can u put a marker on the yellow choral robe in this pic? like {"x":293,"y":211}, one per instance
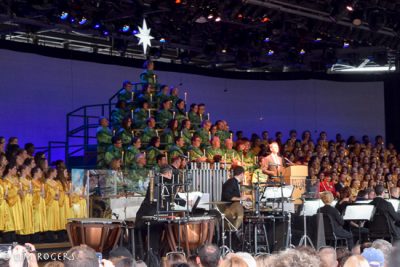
{"x":12,"y":186}
{"x":52,"y":206}
{"x":6,"y":224}
{"x":79,"y":205}
{"x":68,"y":205}
{"x":39,"y":207}
{"x":62,"y":202}
{"x":27,"y":207}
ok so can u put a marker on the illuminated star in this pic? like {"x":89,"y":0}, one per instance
{"x":144,"y":36}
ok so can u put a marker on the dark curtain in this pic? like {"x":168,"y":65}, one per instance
{"x":392,"y":110}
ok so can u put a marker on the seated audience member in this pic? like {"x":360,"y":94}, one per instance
{"x":384,"y":246}
{"x":295,"y":258}
{"x":374,"y":257}
{"x":208,"y":256}
{"x":384,"y":207}
{"x":335,"y":217}
{"x":394,"y":258}
{"x":174,"y":259}
{"x":356,"y":261}
{"x":251,"y":262}
{"x":234,"y":261}
{"x":81,"y":256}
{"x":328,"y":257}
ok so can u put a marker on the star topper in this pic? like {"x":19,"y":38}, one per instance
{"x":144,"y":36}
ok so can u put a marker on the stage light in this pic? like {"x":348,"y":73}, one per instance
{"x":223,"y":51}
{"x":178,"y":2}
{"x":106,"y":33}
{"x":302,"y":52}
{"x":97,"y":26}
{"x":72,"y":20}
{"x":210,"y":16}
{"x":162,"y":40}
{"x":265,"y":19}
{"x":266,"y":40}
{"x":349,"y":8}
{"x":346,"y":44}
{"x":125,"y":28}
{"x":134,"y":32}
{"x":318,"y":40}
{"x":82,"y":21}
{"x":218,"y":19}
{"x":64,"y":15}
{"x":240,"y":16}
{"x":270,"y":52}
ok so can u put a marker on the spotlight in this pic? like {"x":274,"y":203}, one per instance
{"x":223,"y":51}
{"x":82,"y":21}
{"x":318,"y":40}
{"x":210,"y":16}
{"x":125,"y":28}
{"x":106,"y":33}
{"x":64,"y":15}
{"x":134,"y":32}
{"x":346,"y":44}
{"x":349,"y":8}
{"x":302,"y":52}
{"x":178,"y":2}
{"x":240,"y":16}
{"x":72,"y":20}
{"x":266,"y":40}
{"x":97,"y":26}
{"x":270,"y":52}
{"x":162,"y":40}
{"x":218,"y":19}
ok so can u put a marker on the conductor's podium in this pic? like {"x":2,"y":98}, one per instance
{"x":296,"y":176}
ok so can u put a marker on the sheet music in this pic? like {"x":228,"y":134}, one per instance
{"x":276,"y":192}
{"x":311,"y":207}
{"x":395,"y":203}
{"x":359,"y":212}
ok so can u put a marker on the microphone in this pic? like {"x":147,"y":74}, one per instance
{"x":290,"y":162}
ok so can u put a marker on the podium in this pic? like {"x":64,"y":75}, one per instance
{"x":296,"y":175}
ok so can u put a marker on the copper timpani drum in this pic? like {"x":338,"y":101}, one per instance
{"x":100,"y":234}
{"x":193,"y":233}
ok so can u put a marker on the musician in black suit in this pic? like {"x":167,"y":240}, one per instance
{"x":336,"y":218}
{"x":384,"y":207}
{"x":164,"y":195}
{"x":231,"y":188}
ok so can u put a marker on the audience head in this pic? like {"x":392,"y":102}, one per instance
{"x":234,"y":261}
{"x":383,"y":245}
{"x":374,"y":257}
{"x":81,"y":256}
{"x":356,"y":261}
{"x":251,"y":262}
{"x":208,"y":256}
{"x":328,"y":257}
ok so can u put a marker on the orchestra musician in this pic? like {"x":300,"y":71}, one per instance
{"x":160,"y":191}
{"x":231,"y":188}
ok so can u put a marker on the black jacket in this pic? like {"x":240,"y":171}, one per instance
{"x":384,"y":207}
{"x":337,"y":220}
{"x":230,"y":189}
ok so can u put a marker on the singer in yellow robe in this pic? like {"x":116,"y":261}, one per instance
{"x":39,"y":207}
{"x":62,"y":206}
{"x":79,"y":205}
{"x":27,"y":206}
{"x":5,"y":218}
{"x":12,"y":186}
{"x":52,"y":204}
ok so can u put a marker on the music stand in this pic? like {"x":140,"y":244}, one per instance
{"x":305,"y":238}
{"x":360,"y":213}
